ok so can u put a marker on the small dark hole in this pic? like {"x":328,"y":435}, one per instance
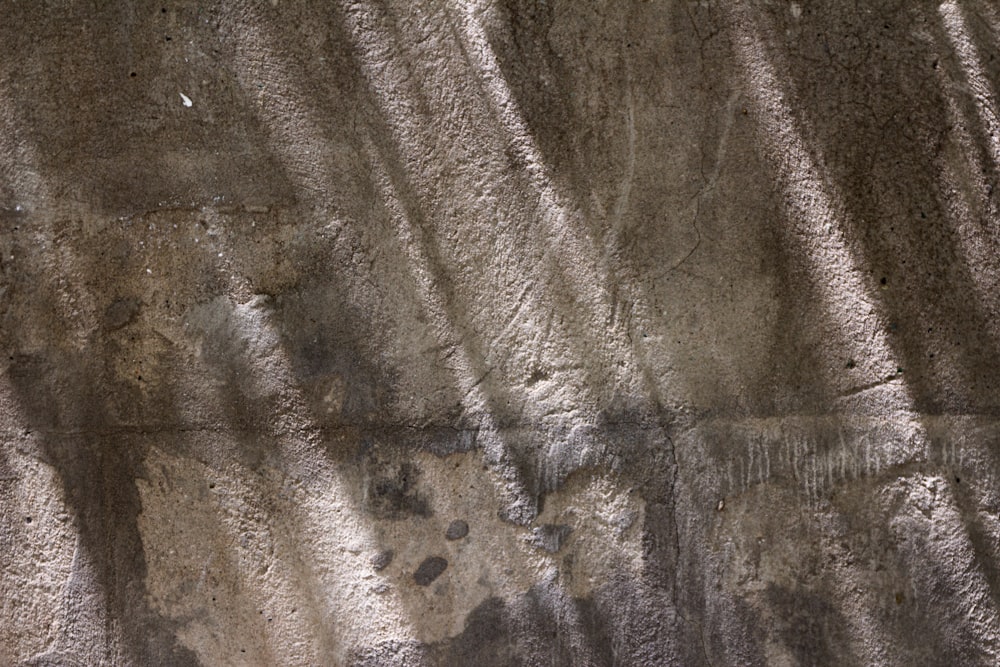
{"x":168,"y":38}
{"x":213,"y":598}
{"x":211,"y":485}
{"x":958,"y":480}
{"x":883,"y":280}
{"x":163,"y":10}
{"x":140,"y":377}
{"x":132,"y":74}
{"x":27,"y":519}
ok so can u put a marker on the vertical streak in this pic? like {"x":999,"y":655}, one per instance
{"x":560,"y":215}
{"x":957,"y":28}
{"x":814,"y":209}
{"x":978,"y":241}
{"x":386,"y":77}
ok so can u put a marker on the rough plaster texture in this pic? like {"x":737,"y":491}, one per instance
{"x":392,"y":333}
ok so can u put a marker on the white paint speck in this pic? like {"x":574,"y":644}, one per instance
{"x":149,"y":271}
{"x":186,"y":100}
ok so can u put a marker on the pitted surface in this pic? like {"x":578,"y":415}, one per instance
{"x":499,"y":333}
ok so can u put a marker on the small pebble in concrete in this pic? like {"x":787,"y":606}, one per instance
{"x":381,"y":560}
{"x":429,"y":570}
{"x":457,"y":529}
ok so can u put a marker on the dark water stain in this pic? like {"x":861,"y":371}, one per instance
{"x":534,"y":629}
{"x":550,"y":537}
{"x":812,"y":629}
{"x":390,"y":490}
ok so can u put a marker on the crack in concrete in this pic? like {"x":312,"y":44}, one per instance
{"x":708,"y":182}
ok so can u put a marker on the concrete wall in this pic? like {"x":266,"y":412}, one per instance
{"x":380,"y":332}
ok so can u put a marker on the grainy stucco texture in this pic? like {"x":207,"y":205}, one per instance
{"x":393,"y":333}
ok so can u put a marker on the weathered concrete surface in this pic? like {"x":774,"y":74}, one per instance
{"x":499,"y":333}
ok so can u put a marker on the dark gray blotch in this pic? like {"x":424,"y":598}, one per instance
{"x":550,"y":537}
{"x":429,"y":570}
{"x":457,"y":529}
{"x":381,"y":560}
{"x":543,"y":627}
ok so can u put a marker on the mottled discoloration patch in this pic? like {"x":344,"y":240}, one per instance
{"x":390,"y":492}
{"x":550,"y":537}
